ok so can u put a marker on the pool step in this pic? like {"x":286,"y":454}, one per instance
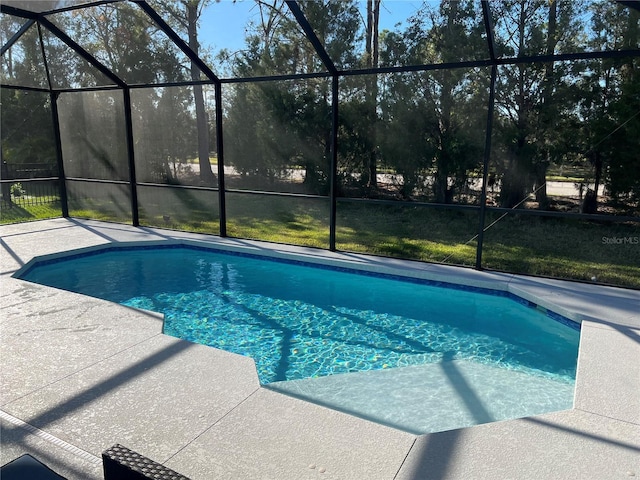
{"x":435,"y":397}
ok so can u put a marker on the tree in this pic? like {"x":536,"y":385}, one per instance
{"x":455,"y":35}
{"x":259,"y":144}
{"x":165,"y":133}
{"x":27,"y":128}
{"x":439,"y":108}
{"x":22,"y":64}
{"x":371,"y":60}
{"x":336,"y":24}
{"x":548,"y":110}
{"x":124,"y":38}
{"x":405,"y":142}
{"x":609,"y":104}
{"x":186,"y":15}
{"x":528,"y":106}
{"x":133,"y":47}
{"x":290,"y":119}
{"x":26,"y":120}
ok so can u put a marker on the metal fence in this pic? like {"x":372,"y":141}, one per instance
{"x":30,"y":193}
{"x":28,"y":184}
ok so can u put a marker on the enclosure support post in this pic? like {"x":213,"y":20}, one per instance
{"x":333,"y":182}
{"x":485,"y":167}
{"x":64,"y":203}
{"x":128,"y":120}
{"x":222,"y":205}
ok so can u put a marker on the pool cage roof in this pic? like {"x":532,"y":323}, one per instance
{"x":201,"y":40}
{"x":45,"y":15}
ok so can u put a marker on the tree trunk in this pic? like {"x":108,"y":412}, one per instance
{"x":370,"y":171}
{"x":515,"y":181}
{"x":549,"y":115}
{"x":540,"y":184}
{"x":444,"y":162}
{"x":443,"y":158}
{"x":206,"y":173}
{"x":590,"y":203}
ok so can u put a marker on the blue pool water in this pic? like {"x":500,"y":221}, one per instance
{"x":298,"y":321}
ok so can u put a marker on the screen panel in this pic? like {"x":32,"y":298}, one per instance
{"x":67,"y":69}
{"x":179,"y":208}
{"x":273,"y":218}
{"x":432,"y":234}
{"x":416,"y":136}
{"x":244,"y":38}
{"x":22,"y":64}
{"x":578,"y":249}
{"x":277,"y":136}
{"x":525,"y":29}
{"x":44,"y":5}
{"x":93,"y":136}
{"x":99,"y":201}
{"x":175,"y":137}
{"x":564,"y":137}
{"x":128,"y":42}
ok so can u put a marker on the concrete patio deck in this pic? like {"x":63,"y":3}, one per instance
{"x":80,"y":374}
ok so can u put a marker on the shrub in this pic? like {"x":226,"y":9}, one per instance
{"x":17,"y":190}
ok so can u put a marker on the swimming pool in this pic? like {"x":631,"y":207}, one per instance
{"x":340,"y":337}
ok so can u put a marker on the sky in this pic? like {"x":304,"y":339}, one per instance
{"x":222,"y":23}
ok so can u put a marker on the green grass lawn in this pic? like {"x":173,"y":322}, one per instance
{"x":408,"y":232}
{"x":561,"y":248}
{"x":565,"y":248}
{"x":16,"y":214}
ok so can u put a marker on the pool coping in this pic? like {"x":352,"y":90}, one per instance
{"x":604,"y":423}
